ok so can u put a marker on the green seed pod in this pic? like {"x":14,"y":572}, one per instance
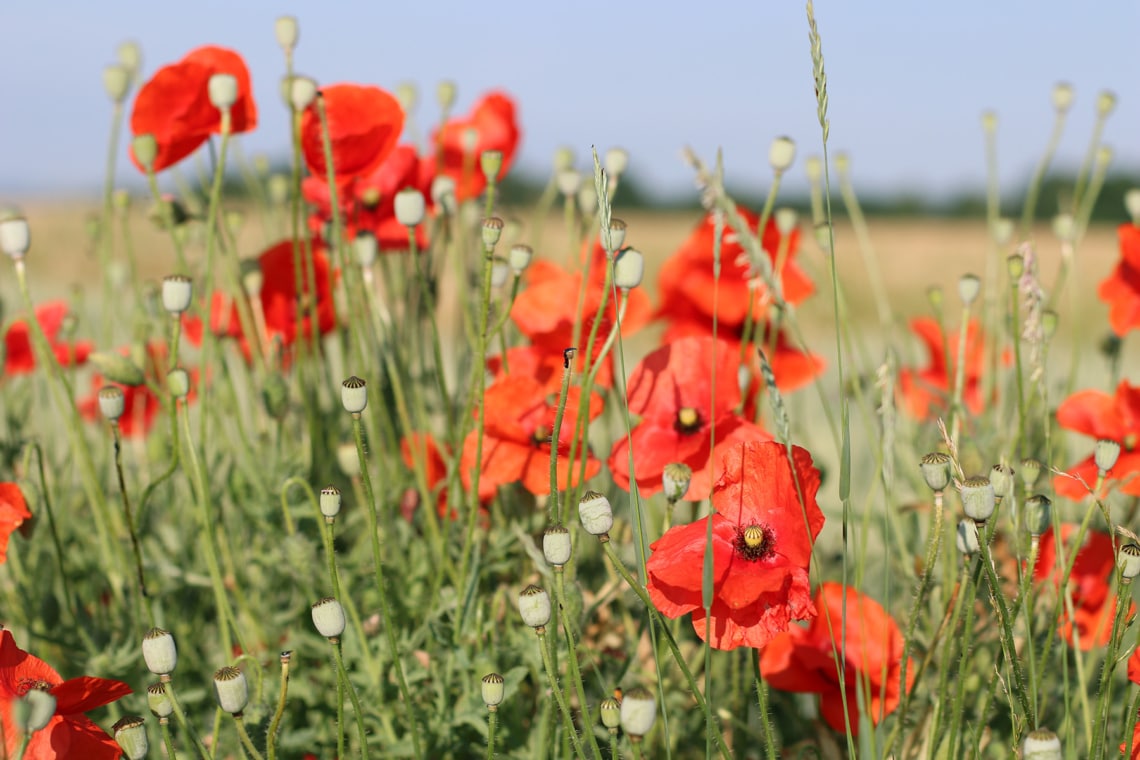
{"x":492,"y":688}
{"x":1038,"y":514}
{"x":354,"y":395}
{"x":596,"y":514}
{"x":1105,"y":454}
{"x":1030,"y":472}
{"x":978,"y":498}
{"x":231,"y":689}
{"x":159,"y":701}
{"x":328,"y":618}
{"x":1128,"y":561}
{"x":130,"y":732}
{"x":967,"y":537}
{"x":1001,"y":477}
{"x":610,"y":710}
{"x":1041,"y":744}
{"x":159,"y":652}
{"x":556,"y":545}
{"x":936,"y":470}
{"x":492,"y":231}
{"x":676,"y":478}
{"x":117,"y":368}
{"x":638,"y":712}
{"x":534,"y":607}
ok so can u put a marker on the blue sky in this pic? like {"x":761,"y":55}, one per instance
{"x":908,"y":80}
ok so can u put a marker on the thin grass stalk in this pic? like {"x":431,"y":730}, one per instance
{"x":106,"y":220}
{"x":282,"y":696}
{"x":144,"y":597}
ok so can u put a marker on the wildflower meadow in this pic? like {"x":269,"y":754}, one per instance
{"x":412,"y":472}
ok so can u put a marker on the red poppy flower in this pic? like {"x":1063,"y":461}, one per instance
{"x":671,"y":390}
{"x":1117,"y":418}
{"x":140,"y":405}
{"x":761,"y":548}
{"x":519,"y":415}
{"x":1090,"y":583}
{"x":364,"y":124}
{"x":494,"y":125}
{"x":926,"y":392}
{"x":13,"y":512}
{"x":69,"y":733}
{"x":19,"y":357}
{"x":174,"y":105}
{"x":803,"y":659}
{"x":1121,"y":289}
{"x":686,"y":280}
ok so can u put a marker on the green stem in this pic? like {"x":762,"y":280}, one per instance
{"x":131,"y":525}
{"x":342,"y":676}
{"x":239,"y":721}
{"x":572,"y":655}
{"x":552,"y":676}
{"x":1019,"y":688}
{"x":180,"y":716}
{"x":282,"y":695}
{"x":492,"y":722}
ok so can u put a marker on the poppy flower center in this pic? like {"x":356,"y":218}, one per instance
{"x":24,"y":685}
{"x":370,"y":197}
{"x":540,"y":436}
{"x":753,"y":542}
{"x":688,"y":420}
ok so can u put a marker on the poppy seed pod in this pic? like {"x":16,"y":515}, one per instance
{"x":936,"y":470}
{"x":1132,"y":204}
{"x":491,"y":163}
{"x":978,"y":498}
{"x":443,"y":193}
{"x":1015,"y":264}
{"x":1105,"y":102}
{"x":675,"y":479}
{"x":330,"y":498}
{"x":223,"y":90}
{"x":1062,"y":96}
{"x":1002,"y":231}
{"x":1030,"y":472}
{"x":596,"y":514}
{"x":159,"y":701}
{"x":159,"y":652}
{"x":1064,"y":227}
{"x":492,"y":230}
{"x":781,"y":154}
{"x":813,"y":167}
{"x":178,"y":383}
{"x":967,"y":537}
{"x":177,"y":291}
{"x":231,"y":689}
{"x":500,"y":272}
{"x":34,"y":711}
{"x":616,"y":238}
{"x":1041,"y":744}
{"x":569,"y":181}
{"x":563,"y":159}
{"x":492,"y":689}
{"x":615,"y":162}
{"x":112,"y":402}
{"x":968,"y":288}
{"x":534,"y":607}
{"x":610,"y":713}
{"x":130,"y":56}
{"x":519,"y":257}
{"x":366,"y":248}
{"x":286,"y":30}
{"x":302,"y":92}
{"x":354,"y":395}
{"x":408,"y":95}
{"x":556,"y":545}
{"x":587,"y":199}
{"x":15,"y":236}
{"x":1001,"y":477}
{"x":328,"y":618}
{"x":786,"y":220}
{"x":629,"y":268}
{"x":410,"y":206}
{"x":1128,"y":561}
{"x":116,"y":82}
{"x":1038,"y":514}
{"x":1105,"y":455}
{"x":130,"y":732}
{"x":638,"y":712}
{"x":145,"y":148}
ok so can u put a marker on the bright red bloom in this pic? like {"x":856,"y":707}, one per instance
{"x":519,"y":415}
{"x":671,"y":390}
{"x":761,"y":548}
{"x":1090,"y":584}
{"x":421,"y":449}
{"x":925,"y":392}
{"x":803,"y":659}
{"x":1098,"y":415}
{"x":495,"y":127}
{"x":70,"y":733}
{"x":1121,"y":289}
{"x":19,"y":358}
{"x":13,"y":512}
{"x":364,"y":124}
{"x":174,"y":104}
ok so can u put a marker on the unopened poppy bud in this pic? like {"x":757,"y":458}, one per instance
{"x":409,"y":205}
{"x":34,"y":710}
{"x":1062,"y":96}
{"x":159,"y":651}
{"x":223,"y":90}
{"x":610,"y":713}
{"x":354,"y":395}
{"x":492,"y":231}
{"x":112,"y":402}
{"x":1105,"y":102}
{"x":616,"y":237}
{"x":445,"y":93}
{"x":596,"y":514}
{"x":519,"y":257}
{"x":1041,"y":744}
{"x":786,"y":219}
{"x":130,"y":732}
{"x":563,"y":159}
{"x":968,"y":288}
{"x":366,"y":248}
{"x":1064,"y":227}
{"x":1001,"y":477}
{"x":130,"y":57}
{"x":629,"y":268}
{"x":117,"y":368}
{"x":568,"y":181}
{"x":15,"y":236}
{"x":936,"y":470}
{"x":978,"y":498}
{"x":117,"y":82}
{"x":302,"y":92}
{"x":556,"y":545}
{"x":231,"y":689}
{"x":492,"y":689}
{"x":587,"y":199}
{"x":177,"y":291}
{"x":178,"y":383}
{"x":638,"y":713}
{"x":967,"y":537}
{"x":1002,"y":231}
{"x":1128,"y":560}
{"x":145,"y":148}
{"x":615,"y":162}
{"x":1030,"y":472}
{"x":286,"y":30}
{"x":1015,"y":264}
{"x":159,"y":701}
{"x":675,"y":479}
{"x":781,"y":154}
{"x":1038,"y":514}
{"x":330,"y":498}
{"x":1105,"y":454}
{"x":534,"y":607}
{"x":491,"y":162}
{"x":328,"y":618}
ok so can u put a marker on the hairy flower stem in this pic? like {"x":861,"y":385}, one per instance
{"x":180,"y":716}
{"x":572,"y":661}
{"x":378,"y":564}
{"x":492,"y":723}
{"x":964,"y":653}
{"x":553,"y":504}
{"x":282,"y":695}
{"x":346,"y":684}
{"x":167,"y":738}
{"x":1104,"y":690}
{"x":1019,"y":687}
{"x":762,"y":703}
{"x":552,"y":676}
{"x":143,"y":595}
{"x":243,"y":734}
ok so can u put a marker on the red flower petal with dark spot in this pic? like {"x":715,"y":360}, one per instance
{"x":364,"y":123}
